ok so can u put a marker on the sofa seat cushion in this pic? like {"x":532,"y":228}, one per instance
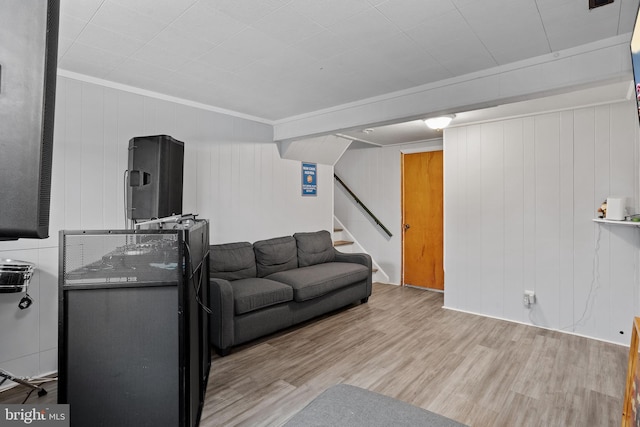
{"x":320,"y":279}
{"x":256,"y":293}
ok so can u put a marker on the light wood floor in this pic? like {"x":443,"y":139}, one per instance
{"x":476,"y":370}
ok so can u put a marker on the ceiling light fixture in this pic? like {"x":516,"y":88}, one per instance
{"x":440,"y":122}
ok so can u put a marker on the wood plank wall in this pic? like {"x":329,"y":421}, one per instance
{"x":520,"y":196}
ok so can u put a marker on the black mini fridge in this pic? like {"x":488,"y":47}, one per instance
{"x":133,"y":326}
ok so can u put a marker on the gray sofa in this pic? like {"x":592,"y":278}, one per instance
{"x":260,"y":288}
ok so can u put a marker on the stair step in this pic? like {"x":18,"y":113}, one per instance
{"x":374,"y":270}
{"x":337,"y":230}
{"x":342,"y":243}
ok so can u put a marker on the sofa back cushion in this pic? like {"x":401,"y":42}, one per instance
{"x":314,"y":248}
{"x":232,"y":261}
{"x":277,"y":254}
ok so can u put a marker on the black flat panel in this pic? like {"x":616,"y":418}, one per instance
{"x":197,"y":284}
{"x":122,"y":356}
{"x":597,"y":3}
{"x":28,"y":62}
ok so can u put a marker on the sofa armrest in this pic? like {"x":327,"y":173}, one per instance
{"x":359,"y":258}
{"x":364,"y":259}
{"x":222,"y":313}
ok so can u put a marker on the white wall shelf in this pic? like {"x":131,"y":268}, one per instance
{"x":610,"y":221}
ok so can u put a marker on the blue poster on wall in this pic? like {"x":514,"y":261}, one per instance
{"x":309,"y":179}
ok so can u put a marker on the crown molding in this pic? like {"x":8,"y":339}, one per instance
{"x":157,"y":95}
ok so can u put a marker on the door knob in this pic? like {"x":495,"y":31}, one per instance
{"x":406,"y":227}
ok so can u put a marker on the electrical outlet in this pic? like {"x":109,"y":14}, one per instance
{"x":529,"y":298}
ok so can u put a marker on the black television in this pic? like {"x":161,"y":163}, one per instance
{"x":28,"y":65}
{"x":635,"y":58}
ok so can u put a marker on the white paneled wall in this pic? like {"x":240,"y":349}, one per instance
{"x":233,"y":176}
{"x":520,"y":196}
{"x":250,"y":193}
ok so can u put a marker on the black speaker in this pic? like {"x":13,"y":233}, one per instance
{"x":156,"y":165}
{"x":28,"y":65}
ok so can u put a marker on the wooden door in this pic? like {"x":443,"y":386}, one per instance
{"x":422,"y":217}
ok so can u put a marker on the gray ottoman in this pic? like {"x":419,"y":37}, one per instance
{"x":347,"y":405}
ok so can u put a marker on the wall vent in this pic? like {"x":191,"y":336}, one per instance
{"x":597,"y":3}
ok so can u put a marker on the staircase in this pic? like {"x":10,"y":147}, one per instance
{"x":344,"y":242}
{"x":338,"y":243}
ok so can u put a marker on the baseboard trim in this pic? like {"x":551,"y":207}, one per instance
{"x":536,"y":326}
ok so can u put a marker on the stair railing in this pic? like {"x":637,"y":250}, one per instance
{"x":362,"y":205}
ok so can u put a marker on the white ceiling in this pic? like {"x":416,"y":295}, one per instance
{"x":416,"y":131}
{"x":273,"y":59}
